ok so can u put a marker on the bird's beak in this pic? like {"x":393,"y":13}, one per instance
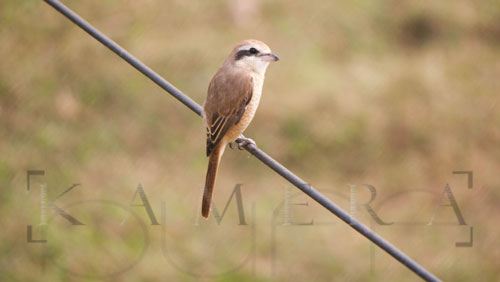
{"x":269,"y":57}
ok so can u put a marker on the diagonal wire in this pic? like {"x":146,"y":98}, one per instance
{"x":262,"y":156}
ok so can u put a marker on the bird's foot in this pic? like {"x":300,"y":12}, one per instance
{"x":243,"y":141}
{"x":231,"y":145}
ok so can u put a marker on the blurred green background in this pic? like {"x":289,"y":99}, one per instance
{"x":395,"y":94}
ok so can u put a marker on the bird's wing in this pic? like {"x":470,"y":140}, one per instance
{"x":227,"y":99}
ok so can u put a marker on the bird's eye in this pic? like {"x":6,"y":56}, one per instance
{"x":253,"y":51}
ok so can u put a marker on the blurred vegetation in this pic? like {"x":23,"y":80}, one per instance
{"x":397,"y":94}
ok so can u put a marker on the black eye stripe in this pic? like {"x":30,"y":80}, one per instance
{"x":242,"y":53}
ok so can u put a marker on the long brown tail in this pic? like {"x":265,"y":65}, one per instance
{"x":213,"y":166}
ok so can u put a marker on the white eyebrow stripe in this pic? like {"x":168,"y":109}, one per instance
{"x":245,"y":47}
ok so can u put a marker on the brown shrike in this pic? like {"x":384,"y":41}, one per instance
{"x":232,"y":99}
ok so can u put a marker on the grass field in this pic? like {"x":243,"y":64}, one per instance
{"x":394,"y":94}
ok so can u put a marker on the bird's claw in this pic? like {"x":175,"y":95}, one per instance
{"x":243,"y":141}
{"x":231,"y":145}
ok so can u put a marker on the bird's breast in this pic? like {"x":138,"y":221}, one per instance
{"x":258,"y":82}
{"x":250,"y":110}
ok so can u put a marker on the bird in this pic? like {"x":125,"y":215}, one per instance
{"x":232,"y":98}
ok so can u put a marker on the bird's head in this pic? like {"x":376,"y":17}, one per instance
{"x":252,"y":55}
